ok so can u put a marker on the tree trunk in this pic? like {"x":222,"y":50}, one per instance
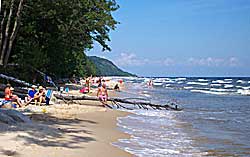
{"x":6,"y":38}
{"x":14,"y":32}
{"x":1,"y":32}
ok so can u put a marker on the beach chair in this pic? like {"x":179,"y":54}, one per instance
{"x":48,"y":96}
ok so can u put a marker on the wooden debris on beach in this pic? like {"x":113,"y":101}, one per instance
{"x":119,"y":101}
{"x":9,"y":78}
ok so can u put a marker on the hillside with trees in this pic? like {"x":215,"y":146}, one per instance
{"x":105,"y":67}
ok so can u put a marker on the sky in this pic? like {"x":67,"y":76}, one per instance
{"x":181,"y":38}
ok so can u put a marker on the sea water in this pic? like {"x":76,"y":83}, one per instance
{"x":215,"y":120}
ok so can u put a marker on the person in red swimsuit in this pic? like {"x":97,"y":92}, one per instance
{"x":9,"y":96}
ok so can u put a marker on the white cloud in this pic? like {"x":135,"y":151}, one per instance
{"x":169,"y":62}
{"x":130,"y":59}
{"x":213,"y":62}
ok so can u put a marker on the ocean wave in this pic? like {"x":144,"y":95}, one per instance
{"x":209,"y":92}
{"x":241,"y":81}
{"x":229,"y":86}
{"x":167,"y":85}
{"x":222,"y":90}
{"x":243,"y":92}
{"x":246,"y":88}
{"x":203,"y":80}
{"x":197,"y":83}
{"x":215,"y":85}
{"x":222,"y":82}
{"x":188,"y":87}
{"x":157,"y":83}
{"x":152,"y":136}
{"x":169,"y":81}
{"x":243,"y":87}
{"x":181,"y":79}
{"x":180,"y":82}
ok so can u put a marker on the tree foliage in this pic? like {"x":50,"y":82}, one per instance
{"x":54,"y":34}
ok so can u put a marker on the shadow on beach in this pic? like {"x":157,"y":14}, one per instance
{"x":47,"y":130}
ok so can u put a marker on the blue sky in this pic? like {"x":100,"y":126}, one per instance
{"x":181,"y":38}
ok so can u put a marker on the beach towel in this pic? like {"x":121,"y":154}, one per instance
{"x":8,"y":103}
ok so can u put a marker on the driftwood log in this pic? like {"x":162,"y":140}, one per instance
{"x":9,"y":78}
{"x":118,"y":101}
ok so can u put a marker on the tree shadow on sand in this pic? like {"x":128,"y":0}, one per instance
{"x":47,"y":130}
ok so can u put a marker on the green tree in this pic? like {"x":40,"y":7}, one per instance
{"x":55,"y":34}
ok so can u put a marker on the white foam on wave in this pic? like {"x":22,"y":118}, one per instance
{"x":203,"y":80}
{"x":180,"y":82}
{"x":167,"y":85}
{"x":153,"y":134}
{"x":241,"y":81}
{"x":215,"y":85}
{"x":157,"y":83}
{"x":197,"y":83}
{"x":188,"y":87}
{"x":221,"y":90}
{"x":228,"y":86}
{"x":169,"y":81}
{"x":209,"y":92}
{"x":243,"y":92}
{"x":228,"y":79}
{"x":243,"y":87}
{"x":181,"y":79}
{"x":159,"y":80}
{"x":238,"y":86}
{"x":222,"y":82}
{"x":246,"y":88}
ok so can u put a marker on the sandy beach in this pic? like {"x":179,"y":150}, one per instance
{"x":63,"y":130}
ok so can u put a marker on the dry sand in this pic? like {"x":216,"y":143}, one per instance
{"x":63,"y":130}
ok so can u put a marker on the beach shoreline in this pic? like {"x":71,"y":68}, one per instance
{"x":65,"y":130}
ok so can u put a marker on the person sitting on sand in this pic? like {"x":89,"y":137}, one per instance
{"x":31,"y":94}
{"x":7,"y":92}
{"x":9,"y":96}
{"x":102,"y":94}
{"x":40,"y":96}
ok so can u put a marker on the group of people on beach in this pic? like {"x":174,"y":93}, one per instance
{"x":40,"y":95}
{"x":100,"y":83}
{"x":102,"y":92}
{"x":13,"y":101}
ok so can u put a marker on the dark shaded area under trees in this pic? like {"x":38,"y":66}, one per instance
{"x":52,"y":36}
